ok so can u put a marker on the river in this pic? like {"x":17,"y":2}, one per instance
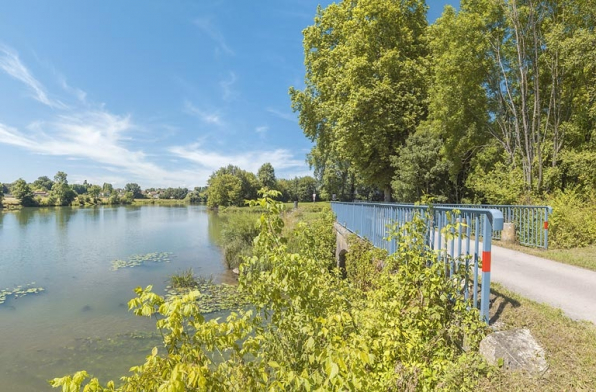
{"x":81,"y":319}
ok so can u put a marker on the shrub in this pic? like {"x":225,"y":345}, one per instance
{"x":573,"y":221}
{"x":309,"y":329}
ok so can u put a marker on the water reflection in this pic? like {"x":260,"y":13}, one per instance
{"x":68,"y":251}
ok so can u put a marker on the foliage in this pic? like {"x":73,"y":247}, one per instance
{"x":135,"y":189}
{"x":231,"y":185}
{"x":224,"y":190}
{"x":366,"y":85}
{"x":61,"y":192}
{"x":420,"y":169}
{"x":22,"y":191}
{"x":237,"y":236}
{"x":266,"y":176}
{"x":174,"y":193}
{"x":312,"y":330}
{"x":43,"y":184}
{"x":107,"y":188}
{"x":1,"y":194}
{"x":573,"y":221}
{"x":184,"y":279}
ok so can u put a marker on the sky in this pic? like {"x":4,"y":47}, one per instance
{"x":160,"y":93}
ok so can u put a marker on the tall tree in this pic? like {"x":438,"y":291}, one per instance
{"x":135,"y":189}
{"x":43,"y":184}
{"x":366,"y":66}
{"x":266,"y":176}
{"x":22,"y":191}
{"x":107,"y":188}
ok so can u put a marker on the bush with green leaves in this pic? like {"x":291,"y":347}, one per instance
{"x":237,"y":236}
{"x":573,"y":221}
{"x":310,"y":329}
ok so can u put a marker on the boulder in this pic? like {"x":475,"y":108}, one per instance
{"x":517,"y":349}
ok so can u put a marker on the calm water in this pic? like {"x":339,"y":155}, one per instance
{"x":82,"y":321}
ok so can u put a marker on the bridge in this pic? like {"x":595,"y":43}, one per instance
{"x":461,"y":235}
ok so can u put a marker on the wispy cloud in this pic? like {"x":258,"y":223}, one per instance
{"x":207,"y":26}
{"x":281,"y":159}
{"x":12,"y":65}
{"x":262,"y":131}
{"x":228,"y":92}
{"x":283,"y":115}
{"x":77,"y":92}
{"x":205,"y":116}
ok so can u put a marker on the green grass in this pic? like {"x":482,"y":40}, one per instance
{"x":570,"y":346}
{"x":184,"y":279}
{"x":579,"y":257}
{"x":160,"y":201}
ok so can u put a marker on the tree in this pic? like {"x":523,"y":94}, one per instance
{"x":1,"y":194}
{"x":366,"y":82}
{"x":22,"y":191}
{"x":43,"y":184}
{"x":174,"y":193}
{"x":61,"y":191}
{"x":266,"y":176}
{"x":135,"y":189}
{"x":80,"y":189}
{"x":249,"y":184}
{"x":94,"y":191}
{"x":224,"y":190}
{"x":421,"y":169}
{"x":60,"y":178}
{"x":107,"y":188}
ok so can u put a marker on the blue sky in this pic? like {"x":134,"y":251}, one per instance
{"x":160,"y":93}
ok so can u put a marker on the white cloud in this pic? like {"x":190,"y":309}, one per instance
{"x":78,"y":93}
{"x":283,"y":115}
{"x":262,"y":130}
{"x":11,"y":64}
{"x":207,"y":117}
{"x":228,"y":93}
{"x":282,"y":160}
{"x":211,"y":30}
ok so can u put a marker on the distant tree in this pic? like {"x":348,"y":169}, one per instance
{"x":135,"y":189}
{"x":80,"y":189}
{"x":1,"y":194}
{"x":43,"y":184}
{"x":94,"y":191}
{"x":174,"y":193}
{"x":249,"y":182}
{"x":60,"y":177}
{"x":266,"y":176}
{"x":224,"y":190}
{"x":107,"y":188}
{"x":61,"y":192}
{"x":127,"y":198}
{"x":306,"y":186}
{"x":22,"y":191}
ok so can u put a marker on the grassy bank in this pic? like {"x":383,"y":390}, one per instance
{"x":160,"y":202}
{"x":570,"y":345}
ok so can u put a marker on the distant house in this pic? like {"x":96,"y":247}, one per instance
{"x":40,"y":194}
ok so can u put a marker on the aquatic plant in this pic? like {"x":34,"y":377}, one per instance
{"x":212,"y":298}
{"x":19,"y":292}
{"x":140,"y":259}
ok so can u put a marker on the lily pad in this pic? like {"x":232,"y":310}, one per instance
{"x":19,"y":292}
{"x":140,"y":259}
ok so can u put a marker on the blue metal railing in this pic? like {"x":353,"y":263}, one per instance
{"x":531,"y":222}
{"x":372,"y":220}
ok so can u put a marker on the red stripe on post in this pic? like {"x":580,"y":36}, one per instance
{"x":486,"y":261}
{"x":545,"y":225}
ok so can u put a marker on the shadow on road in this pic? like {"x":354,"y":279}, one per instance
{"x":498,"y":303}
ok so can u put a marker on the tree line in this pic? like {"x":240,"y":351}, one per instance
{"x":493,"y":103}
{"x":228,"y":186}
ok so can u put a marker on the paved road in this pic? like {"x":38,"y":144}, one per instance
{"x":569,"y":288}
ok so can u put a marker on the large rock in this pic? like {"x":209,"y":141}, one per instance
{"x":517,"y":349}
